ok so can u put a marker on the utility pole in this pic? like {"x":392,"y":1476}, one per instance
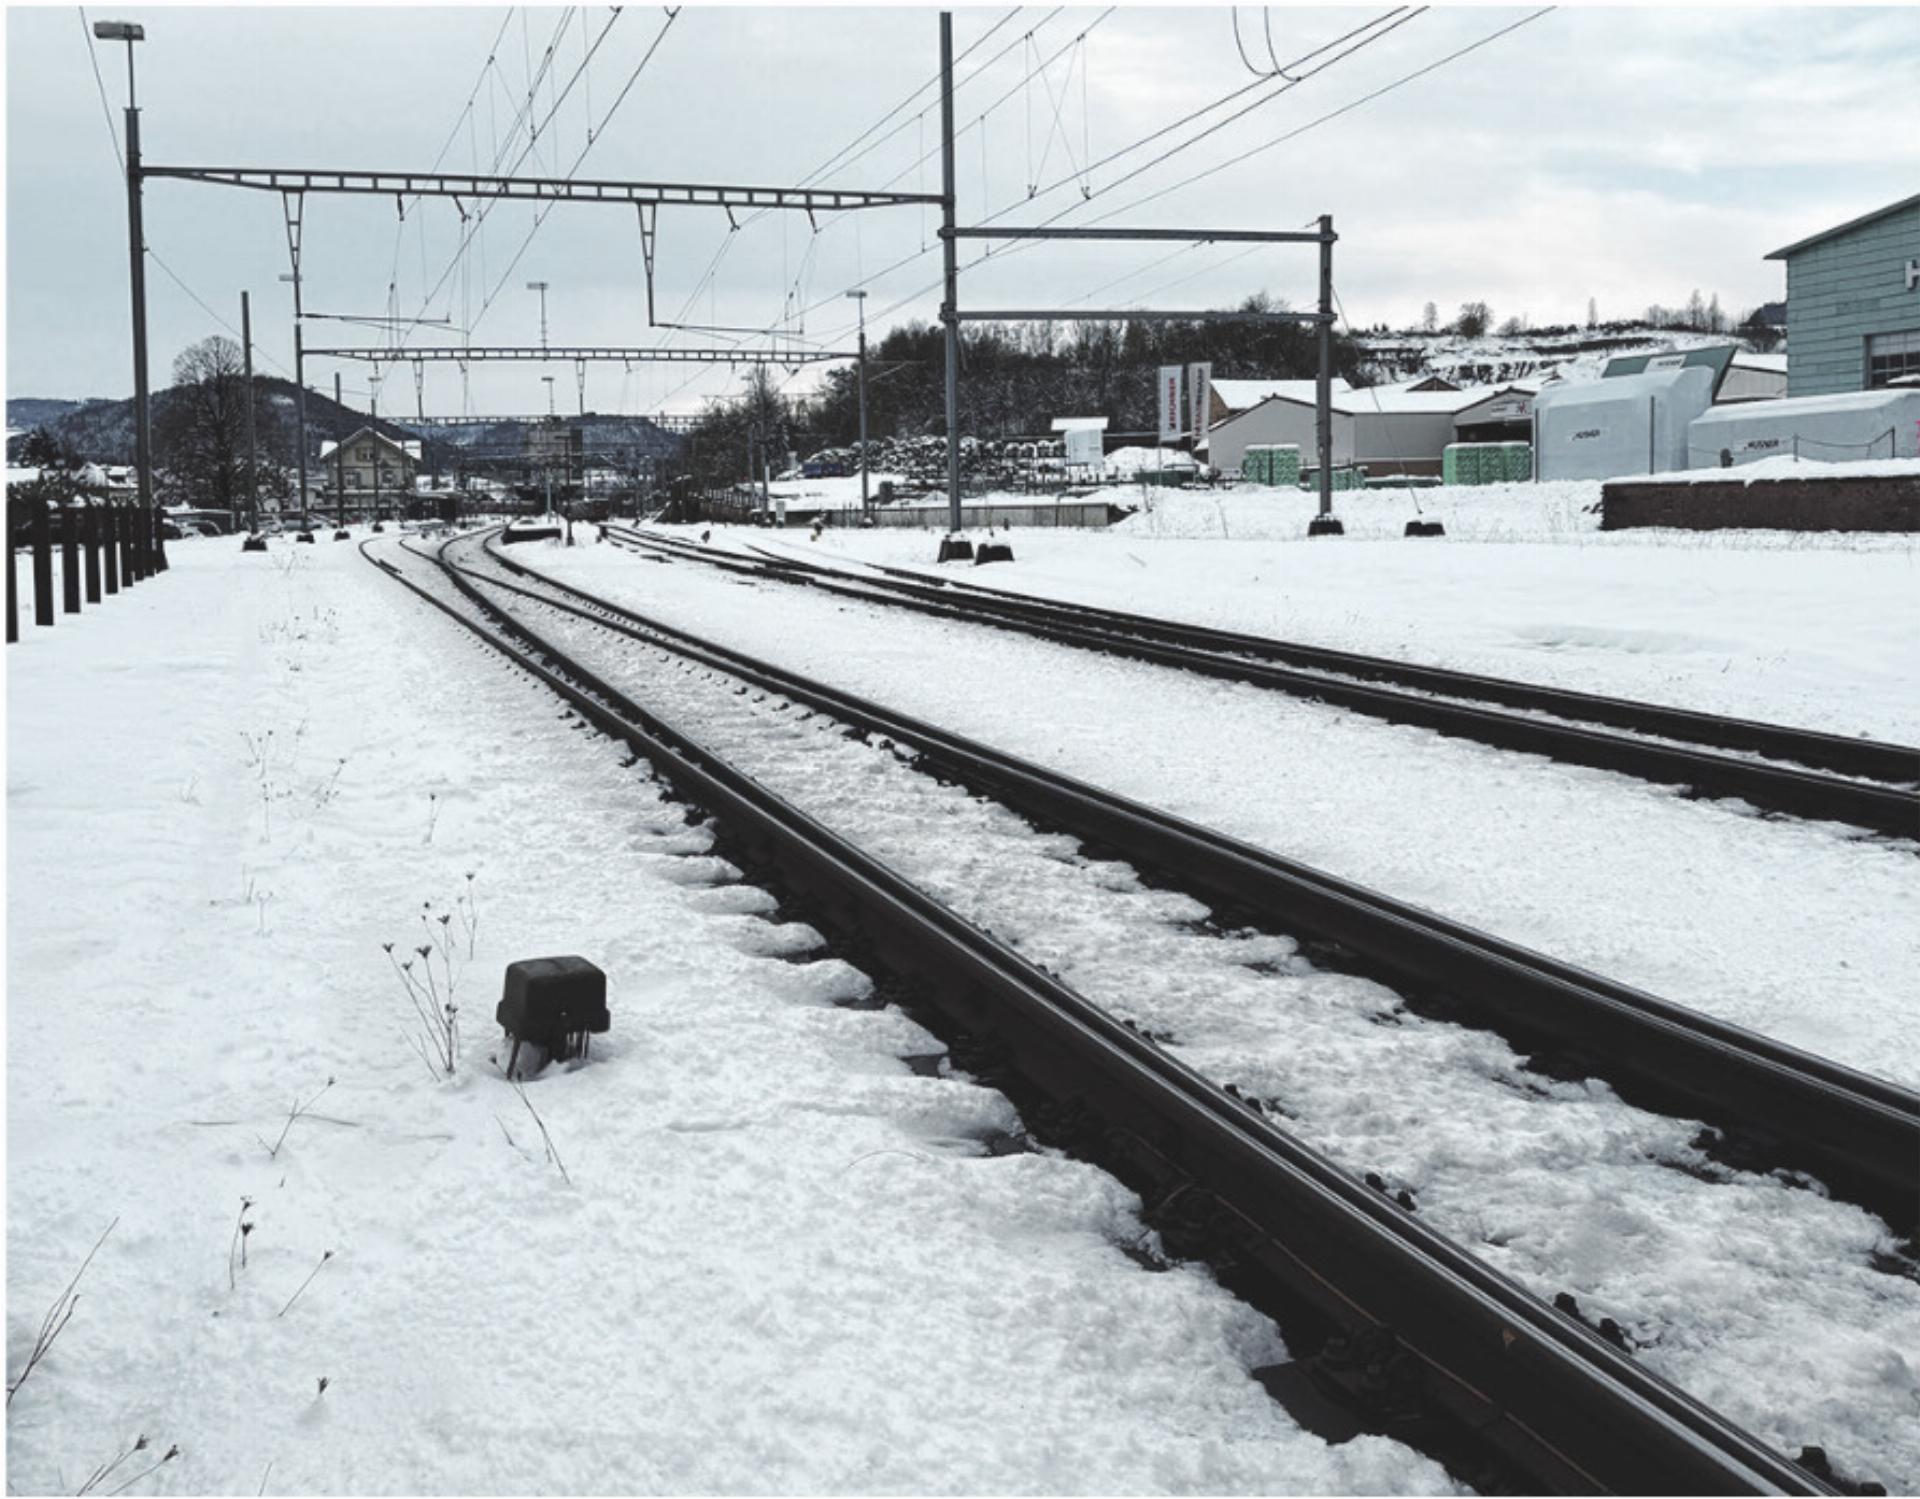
{"x":339,"y":451}
{"x":253,"y":466}
{"x":861,"y":298}
{"x":1324,"y":524}
{"x":373,"y":404}
{"x":299,"y":357}
{"x":950,"y":252}
{"x":149,"y":521}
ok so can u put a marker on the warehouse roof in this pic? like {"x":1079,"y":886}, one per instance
{"x":1243,"y":395}
{"x":1851,"y":224}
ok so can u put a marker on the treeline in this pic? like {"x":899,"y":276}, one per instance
{"x":1014,"y":380}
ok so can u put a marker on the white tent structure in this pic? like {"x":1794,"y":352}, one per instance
{"x":1629,"y":424}
{"x":1831,"y":429}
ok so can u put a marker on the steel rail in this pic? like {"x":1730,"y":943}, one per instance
{"x":1505,"y":1370}
{"x":1858,"y":1133}
{"x":1877,"y":807}
{"x":1897,"y":764}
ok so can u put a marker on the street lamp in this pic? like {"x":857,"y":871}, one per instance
{"x":861,"y":298}
{"x":151,"y":545}
{"x":541,"y":287}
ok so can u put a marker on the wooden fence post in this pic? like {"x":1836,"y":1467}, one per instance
{"x":90,"y":534}
{"x":110,"y":544}
{"x":13,"y":581}
{"x":42,"y":564}
{"x":69,"y":562}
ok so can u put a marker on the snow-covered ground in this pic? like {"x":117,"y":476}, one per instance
{"x":1557,"y":1183}
{"x":1823,"y":636}
{"x":779,"y":1259}
{"x":1798,"y":929}
{"x":1787,"y":466}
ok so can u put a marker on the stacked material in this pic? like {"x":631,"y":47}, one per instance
{"x":1272,"y":463}
{"x":1486,"y":462}
{"x":1346,"y":476}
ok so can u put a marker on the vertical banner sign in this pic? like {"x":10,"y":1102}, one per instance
{"x":1172,"y":417}
{"x":1200,"y":394}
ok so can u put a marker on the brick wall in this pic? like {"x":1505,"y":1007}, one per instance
{"x":1889,"y":504}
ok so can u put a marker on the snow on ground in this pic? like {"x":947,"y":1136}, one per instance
{"x":1825,"y":638}
{"x":1787,"y":466}
{"x":1800,"y":930}
{"x":1557,"y":1183}
{"x":783,"y":1261}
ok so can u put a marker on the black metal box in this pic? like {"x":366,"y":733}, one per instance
{"x":554,"y":1002}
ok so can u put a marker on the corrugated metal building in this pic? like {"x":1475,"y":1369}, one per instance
{"x":1391,"y":429}
{"x":1853,"y":303}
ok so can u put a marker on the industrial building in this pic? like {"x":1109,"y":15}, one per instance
{"x":1626,"y":423}
{"x":1853,"y":303}
{"x":1389,"y":429}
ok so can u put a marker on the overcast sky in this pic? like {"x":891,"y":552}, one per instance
{"x":1629,"y":155}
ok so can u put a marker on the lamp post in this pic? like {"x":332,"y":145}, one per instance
{"x":861,"y":298}
{"x":541,"y":287}
{"x":129,"y":32}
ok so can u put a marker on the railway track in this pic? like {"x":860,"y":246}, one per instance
{"x":1557,"y":1401}
{"x":1860,"y":782}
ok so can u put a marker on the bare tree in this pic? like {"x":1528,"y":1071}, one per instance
{"x":1430,"y":319}
{"x":1475,"y":318}
{"x":1593,"y":313}
{"x":200,"y":435}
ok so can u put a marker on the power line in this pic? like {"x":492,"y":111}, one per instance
{"x":1347,"y":108}
{"x":1264,"y":146}
{"x":541,"y":217}
{"x":93,"y":56}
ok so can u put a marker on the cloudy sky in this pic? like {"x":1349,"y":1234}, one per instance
{"x":1628,"y":155}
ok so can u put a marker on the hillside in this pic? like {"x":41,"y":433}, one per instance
{"x":102,"y":431}
{"x":24,"y":412}
{"x":1495,"y":359}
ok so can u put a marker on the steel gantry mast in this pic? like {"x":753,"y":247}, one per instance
{"x":952,"y":232}
{"x":293,"y":184}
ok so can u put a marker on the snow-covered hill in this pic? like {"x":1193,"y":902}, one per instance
{"x":1495,"y":359}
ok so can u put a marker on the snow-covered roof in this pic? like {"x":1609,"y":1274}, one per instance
{"x":1240,"y":395}
{"x":411,"y":449}
{"x":1382,"y":400}
{"x":1772,"y":363}
{"x":1850,"y":400}
{"x":1388,"y":401}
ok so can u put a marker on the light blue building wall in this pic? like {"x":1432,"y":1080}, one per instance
{"x":1853,"y":303}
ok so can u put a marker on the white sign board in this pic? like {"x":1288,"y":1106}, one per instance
{"x":1084,"y":447}
{"x":1172,"y":417}
{"x":1200,"y":395}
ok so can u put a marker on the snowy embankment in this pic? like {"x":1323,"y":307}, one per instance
{"x":1558,"y":1183}
{"x":1801,"y":930}
{"x":777,"y":1258}
{"x":1821,"y":636}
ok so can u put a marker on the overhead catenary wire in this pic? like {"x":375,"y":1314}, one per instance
{"x":1264,"y":146}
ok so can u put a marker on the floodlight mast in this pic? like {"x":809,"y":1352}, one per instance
{"x":149,"y":553}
